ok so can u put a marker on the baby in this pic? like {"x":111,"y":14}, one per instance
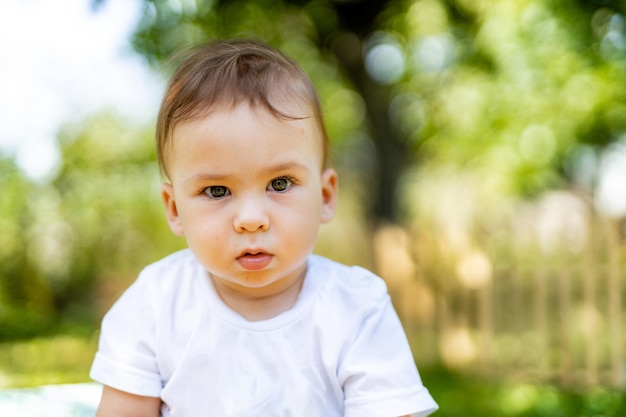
{"x":247,"y":322}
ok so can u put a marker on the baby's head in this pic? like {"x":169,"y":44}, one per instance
{"x":224,"y":74}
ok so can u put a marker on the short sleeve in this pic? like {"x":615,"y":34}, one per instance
{"x":126,"y":358}
{"x":379,"y":375}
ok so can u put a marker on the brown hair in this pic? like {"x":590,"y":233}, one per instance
{"x":227,"y":73}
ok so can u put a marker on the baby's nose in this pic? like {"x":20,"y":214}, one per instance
{"x":252,"y":215}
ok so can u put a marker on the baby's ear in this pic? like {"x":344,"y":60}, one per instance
{"x":330,"y":184}
{"x":171,"y":211}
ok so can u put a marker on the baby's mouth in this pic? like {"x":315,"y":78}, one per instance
{"x":254,"y":260}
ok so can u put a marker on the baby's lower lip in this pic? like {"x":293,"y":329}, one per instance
{"x":254,"y":262}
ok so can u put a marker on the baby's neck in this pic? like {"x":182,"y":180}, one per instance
{"x":265,"y":306}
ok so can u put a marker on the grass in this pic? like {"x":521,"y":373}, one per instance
{"x":66,"y":359}
{"x":51,"y":360}
{"x":461,"y":395}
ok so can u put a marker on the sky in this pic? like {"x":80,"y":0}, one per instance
{"x":61,"y":61}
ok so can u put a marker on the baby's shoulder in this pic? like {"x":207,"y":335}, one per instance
{"x":352,"y":287}
{"x":172,"y":271}
{"x":177,"y":262}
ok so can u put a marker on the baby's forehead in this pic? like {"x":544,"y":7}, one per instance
{"x":244,"y":133}
{"x":282,"y":111}
{"x":225,"y":115}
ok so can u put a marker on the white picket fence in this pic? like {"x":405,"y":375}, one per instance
{"x":536,"y":294}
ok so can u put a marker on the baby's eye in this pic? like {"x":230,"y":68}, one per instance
{"x":216,"y":191}
{"x":280,"y":184}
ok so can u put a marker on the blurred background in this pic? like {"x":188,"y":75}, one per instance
{"x":481,"y":146}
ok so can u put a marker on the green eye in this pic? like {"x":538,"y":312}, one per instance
{"x":280,"y":184}
{"x":217,"y":191}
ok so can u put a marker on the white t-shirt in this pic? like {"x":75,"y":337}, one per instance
{"x":340,"y":351}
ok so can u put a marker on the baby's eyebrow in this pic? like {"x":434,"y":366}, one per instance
{"x":280,"y":167}
{"x":206,"y":177}
{"x":286,"y":166}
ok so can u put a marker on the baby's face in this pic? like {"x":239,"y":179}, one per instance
{"x":248,"y":191}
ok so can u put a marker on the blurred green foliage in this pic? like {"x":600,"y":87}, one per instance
{"x":93,"y":224}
